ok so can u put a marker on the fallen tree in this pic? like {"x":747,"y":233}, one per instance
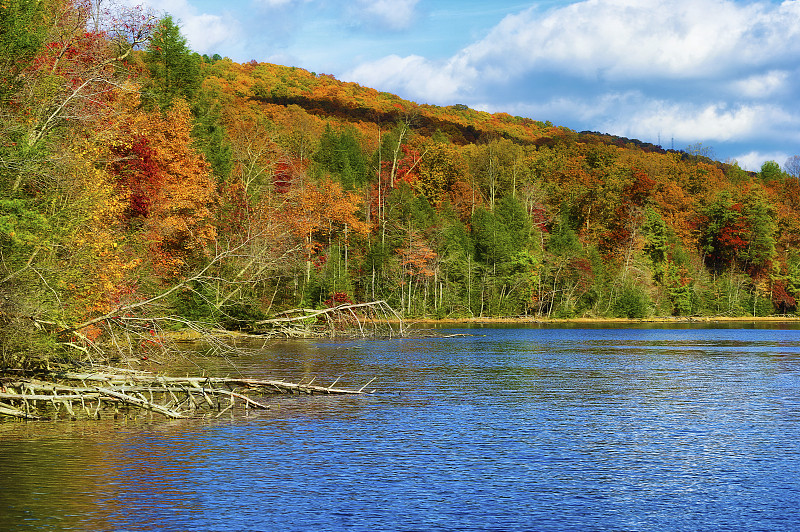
{"x":66,"y":390}
{"x":104,"y":392}
{"x":375,"y":318}
{"x":50,"y":382}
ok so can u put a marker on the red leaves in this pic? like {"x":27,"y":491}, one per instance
{"x":731,"y":238}
{"x":165,"y":182}
{"x":286,"y":173}
{"x":638,"y":191}
{"x":408,"y":165}
{"x":781,"y":298}
{"x":406,"y":168}
{"x":581,"y":270}
{"x":138,"y":173}
{"x":539,"y":217}
{"x":338,"y":298}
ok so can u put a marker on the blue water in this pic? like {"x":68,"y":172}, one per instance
{"x":505,"y":429}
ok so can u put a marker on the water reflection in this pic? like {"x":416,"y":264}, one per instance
{"x":508,"y":429}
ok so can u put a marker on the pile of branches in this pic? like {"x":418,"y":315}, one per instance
{"x":376,"y":318}
{"x":47,"y":381}
{"x":106,"y":392}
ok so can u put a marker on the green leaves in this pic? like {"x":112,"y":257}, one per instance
{"x":174,"y":69}
{"x":21,"y":225}
{"x":770,"y":171}
{"x":740,"y":233}
{"x":632,"y":302}
{"x":339,"y":153}
{"x":760,"y":218}
{"x":21,"y":36}
{"x":493,"y":243}
{"x":656,"y":233}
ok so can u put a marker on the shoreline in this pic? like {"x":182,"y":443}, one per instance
{"x":662,"y":319}
{"x":193,"y":336}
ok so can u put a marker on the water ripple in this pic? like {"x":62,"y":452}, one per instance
{"x":510,"y":429}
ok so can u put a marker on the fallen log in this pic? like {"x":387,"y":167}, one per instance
{"x":92,"y":394}
{"x":9,"y":410}
{"x":375,"y":318}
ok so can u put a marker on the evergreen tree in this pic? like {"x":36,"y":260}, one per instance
{"x":174,"y":69}
{"x":212,"y":139}
{"x":512,"y":213}
{"x":21,"y":35}
{"x":340,"y":154}
{"x":770,"y":170}
{"x":493,"y":242}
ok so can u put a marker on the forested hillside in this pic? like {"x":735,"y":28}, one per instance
{"x":146,"y":187}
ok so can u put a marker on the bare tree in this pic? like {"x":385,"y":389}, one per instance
{"x":792,"y":166}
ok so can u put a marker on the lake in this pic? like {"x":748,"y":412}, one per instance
{"x":660,"y":427}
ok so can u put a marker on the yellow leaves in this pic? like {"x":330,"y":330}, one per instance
{"x":440,"y":168}
{"x":326,"y":209}
{"x":167,"y":266}
{"x":99,"y":256}
{"x":94,"y":258}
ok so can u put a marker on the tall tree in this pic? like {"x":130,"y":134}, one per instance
{"x":770,"y":171}
{"x":64,"y":78}
{"x":723,"y":232}
{"x":21,"y":35}
{"x":340,"y":153}
{"x":174,"y":69}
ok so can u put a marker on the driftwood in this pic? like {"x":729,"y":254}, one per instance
{"x":376,"y":318}
{"x":113,"y":392}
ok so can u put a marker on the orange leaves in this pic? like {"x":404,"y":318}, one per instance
{"x":180,"y":219}
{"x":324,"y":210}
{"x":406,"y":168}
{"x":166,"y":182}
{"x":418,"y":258}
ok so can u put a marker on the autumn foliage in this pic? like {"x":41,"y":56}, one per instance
{"x":122,"y":177}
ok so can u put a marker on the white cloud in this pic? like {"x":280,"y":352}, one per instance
{"x":619,"y":41}
{"x":413,"y":76}
{"x":203,"y":31}
{"x":690,"y":122}
{"x":624,"y":39}
{"x":391,"y":14}
{"x":753,"y":160}
{"x":762,"y":85}
{"x":633,"y":114}
{"x":589,"y":109}
{"x":694,"y":70}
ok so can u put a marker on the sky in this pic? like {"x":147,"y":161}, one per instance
{"x":721,"y":75}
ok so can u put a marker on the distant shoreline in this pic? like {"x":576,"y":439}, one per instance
{"x":187,"y":335}
{"x":556,"y":321}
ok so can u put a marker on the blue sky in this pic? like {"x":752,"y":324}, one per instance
{"x":723,"y":73}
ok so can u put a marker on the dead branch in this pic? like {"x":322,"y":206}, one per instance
{"x":110,"y":391}
{"x":345,"y":313}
